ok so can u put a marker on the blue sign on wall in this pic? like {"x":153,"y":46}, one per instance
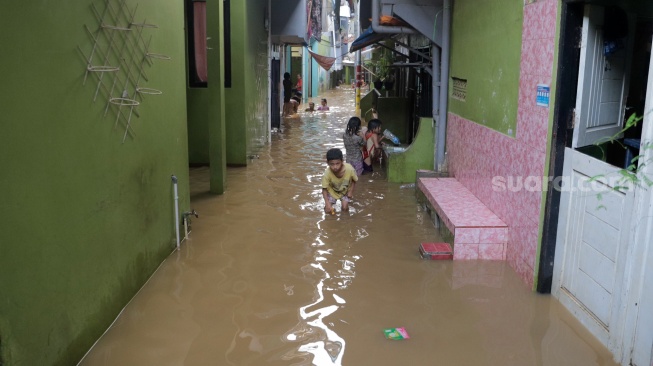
{"x":542,"y":95}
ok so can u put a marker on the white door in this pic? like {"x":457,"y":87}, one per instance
{"x":603,"y":270}
{"x":594,"y":225}
{"x":592,"y":243}
{"x":601,"y":98}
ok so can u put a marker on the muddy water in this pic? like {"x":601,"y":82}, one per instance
{"x":268,"y":279}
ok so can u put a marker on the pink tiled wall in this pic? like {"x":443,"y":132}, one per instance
{"x":476,"y":153}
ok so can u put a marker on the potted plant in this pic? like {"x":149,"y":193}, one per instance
{"x":381,"y":68}
{"x":385,"y":71}
{"x":374,"y":67}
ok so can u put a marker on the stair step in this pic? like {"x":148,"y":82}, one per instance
{"x":436,"y":251}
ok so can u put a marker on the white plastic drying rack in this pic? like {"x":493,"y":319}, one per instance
{"x":121,"y":52}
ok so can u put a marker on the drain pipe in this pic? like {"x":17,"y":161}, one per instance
{"x":444,"y":86}
{"x":176,"y":198}
{"x":186,"y":215}
{"x":378,"y":28}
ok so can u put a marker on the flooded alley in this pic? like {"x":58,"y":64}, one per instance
{"x":267,"y":278}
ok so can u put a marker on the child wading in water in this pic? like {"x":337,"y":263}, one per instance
{"x":372,"y":144}
{"x":354,"y":142}
{"x":338,"y":182}
{"x":323,"y":105}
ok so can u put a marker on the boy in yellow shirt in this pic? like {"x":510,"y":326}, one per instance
{"x":338,"y":182}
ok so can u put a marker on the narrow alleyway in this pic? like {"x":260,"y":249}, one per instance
{"x":267,"y":279}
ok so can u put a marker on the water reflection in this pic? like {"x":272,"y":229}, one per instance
{"x":267,"y":278}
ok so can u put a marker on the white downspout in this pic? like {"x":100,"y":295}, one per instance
{"x":444,"y":86}
{"x":176,"y":199}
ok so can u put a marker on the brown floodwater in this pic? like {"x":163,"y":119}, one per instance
{"x":267,"y":278}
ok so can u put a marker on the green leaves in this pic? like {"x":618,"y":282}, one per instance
{"x":633,"y":175}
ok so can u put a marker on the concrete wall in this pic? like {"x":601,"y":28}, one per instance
{"x":85,"y":218}
{"x":198,"y":126}
{"x":246,"y":100}
{"x":486,"y":41}
{"x":402,"y":167}
{"x":315,"y":73}
{"x":206,"y":106}
{"x":288,"y":18}
{"x":321,"y":76}
{"x":480,"y":150}
{"x":395,"y":116}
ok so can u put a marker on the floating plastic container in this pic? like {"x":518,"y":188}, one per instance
{"x":391,"y":136}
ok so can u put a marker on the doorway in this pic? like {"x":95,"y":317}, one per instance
{"x":590,"y":220}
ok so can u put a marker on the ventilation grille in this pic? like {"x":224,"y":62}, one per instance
{"x":459,"y":91}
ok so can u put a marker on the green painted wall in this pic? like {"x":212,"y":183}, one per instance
{"x":296,"y":65}
{"x":485,"y":51}
{"x":198,"y":127}
{"x":85,"y":218}
{"x":315,"y":71}
{"x":367,"y":102}
{"x":323,"y":48}
{"x":206,"y":106}
{"x":393,"y":113}
{"x":402,"y":167}
{"x":246,"y":101}
{"x":216,"y":94}
{"x":349,"y":75}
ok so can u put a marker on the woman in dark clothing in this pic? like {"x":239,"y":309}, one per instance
{"x":287,"y":87}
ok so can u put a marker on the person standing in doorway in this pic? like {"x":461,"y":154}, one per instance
{"x":298,"y":86}
{"x":287,"y":93}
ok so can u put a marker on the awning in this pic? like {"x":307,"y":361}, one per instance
{"x":325,"y":61}
{"x":367,"y":38}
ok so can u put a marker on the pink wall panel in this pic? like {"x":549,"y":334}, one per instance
{"x":476,"y":154}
